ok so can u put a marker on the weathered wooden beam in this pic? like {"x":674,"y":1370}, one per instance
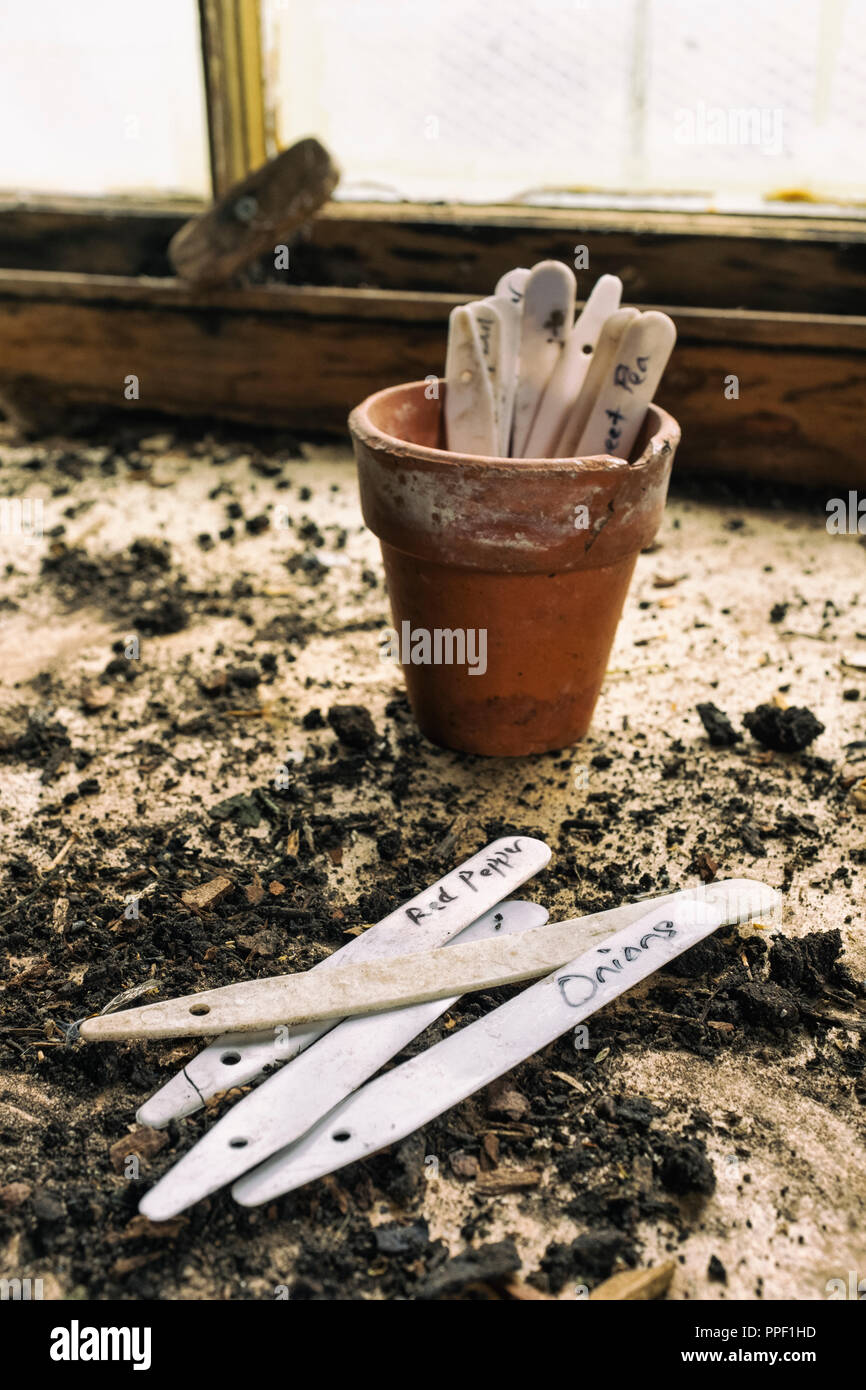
{"x":702,"y":260}
{"x":808,"y":265}
{"x":303,"y":358}
{"x":91,"y":235}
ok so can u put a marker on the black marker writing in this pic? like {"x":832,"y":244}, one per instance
{"x":495,"y":864}
{"x":578,"y":989}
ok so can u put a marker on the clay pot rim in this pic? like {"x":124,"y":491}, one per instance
{"x":666,"y":432}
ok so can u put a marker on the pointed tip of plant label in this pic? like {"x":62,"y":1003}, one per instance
{"x":246,"y":1198}
{"x":744,"y":898}
{"x":154,"y":1206}
{"x":178,"y":1097}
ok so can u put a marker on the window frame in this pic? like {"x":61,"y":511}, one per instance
{"x":750,"y":295}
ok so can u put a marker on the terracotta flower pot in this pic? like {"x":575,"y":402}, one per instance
{"x":536,"y":553}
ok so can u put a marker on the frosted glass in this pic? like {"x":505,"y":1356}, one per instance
{"x":102,"y":97}
{"x":481,"y":100}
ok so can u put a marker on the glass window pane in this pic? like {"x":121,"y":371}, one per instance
{"x":102,"y":98}
{"x":471,"y":100}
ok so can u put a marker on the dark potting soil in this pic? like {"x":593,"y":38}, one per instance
{"x":137,"y":585}
{"x":720,"y":730}
{"x":353,"y":725}
{"x":785,"y":730}
{"x":621,"y":1164}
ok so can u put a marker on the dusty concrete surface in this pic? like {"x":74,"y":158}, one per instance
{"x":111,"y":794}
